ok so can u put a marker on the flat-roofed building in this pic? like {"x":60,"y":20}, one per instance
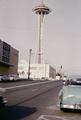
{"x":37,"y":71}
{"x":42,"y":71}
{"x":8,"y":59}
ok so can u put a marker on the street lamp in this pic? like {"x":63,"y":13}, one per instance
{"x":30,"y":50}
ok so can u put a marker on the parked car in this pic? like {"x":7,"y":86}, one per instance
{"x":70,"y":96}
{"x":78,"y":80}
{"x":13,"y":77}
{"x":3,"y":100}
{"x":5,"y":78}
{"x":1,"y":76}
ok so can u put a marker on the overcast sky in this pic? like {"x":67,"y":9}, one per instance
{"x":62,"y":31}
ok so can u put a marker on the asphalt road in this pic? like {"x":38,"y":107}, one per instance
{"x":30,"y":100}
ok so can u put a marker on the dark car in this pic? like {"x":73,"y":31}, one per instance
{"x":70,"y":96}
{"x":3,"y":100}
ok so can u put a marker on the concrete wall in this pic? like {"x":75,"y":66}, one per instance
{"x":12,"y":66}
{"x":13,"y":61}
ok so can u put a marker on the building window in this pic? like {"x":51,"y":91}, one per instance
{"x":6,"y":52}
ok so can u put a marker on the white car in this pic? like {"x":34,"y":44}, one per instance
{"x":13,"y":77}
{"x":1,"y":76}
{"x":5,"y":78}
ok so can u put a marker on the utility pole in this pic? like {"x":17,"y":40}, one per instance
{"x":30,"y":50}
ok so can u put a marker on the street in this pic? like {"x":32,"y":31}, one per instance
{"x":30,"y":100}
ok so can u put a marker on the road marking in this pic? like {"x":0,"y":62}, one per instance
{"x":51,"y":117}
{"x":34,"y":90}
{"x":26,"y":85}
{"x":53,"y":107}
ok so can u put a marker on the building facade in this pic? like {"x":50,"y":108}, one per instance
{"x":8,"y":59}
{"x":37,"y":71}
{"x":42,"y":71}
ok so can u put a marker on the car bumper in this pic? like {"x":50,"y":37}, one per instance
{"x":75,"y":106}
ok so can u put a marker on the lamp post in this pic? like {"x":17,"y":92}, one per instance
{"x":30,"y":50}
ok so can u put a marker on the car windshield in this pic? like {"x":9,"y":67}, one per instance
{"x":72,"y":90}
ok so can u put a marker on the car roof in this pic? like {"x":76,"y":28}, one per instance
{"x":73,"y":82}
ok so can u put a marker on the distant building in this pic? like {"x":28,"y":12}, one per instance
{"x":37,"y":71}
{"x":8,"y":59}
{"x":42,"y":71}
{"x":23,"y":69}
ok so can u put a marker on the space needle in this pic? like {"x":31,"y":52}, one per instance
{"x":41,"y":10}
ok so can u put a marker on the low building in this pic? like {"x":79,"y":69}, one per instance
{"x":37,"y":71}
{"x":23,"y":69}
{"x":8,"y":59}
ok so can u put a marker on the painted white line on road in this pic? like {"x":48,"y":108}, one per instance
{"x":26,"y":85}
{"x":34,"y":90}
{"x":42,"y":118}
{"x":53,"y":107}
{"x":51,"y":117}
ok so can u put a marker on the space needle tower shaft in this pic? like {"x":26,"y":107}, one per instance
{"x":41,"y":10}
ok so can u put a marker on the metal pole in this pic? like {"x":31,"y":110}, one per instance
{"x":30,"y":50}
{"x":40,"y":38}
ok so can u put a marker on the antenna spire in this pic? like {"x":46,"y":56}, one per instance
{"x":41,"y":10}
